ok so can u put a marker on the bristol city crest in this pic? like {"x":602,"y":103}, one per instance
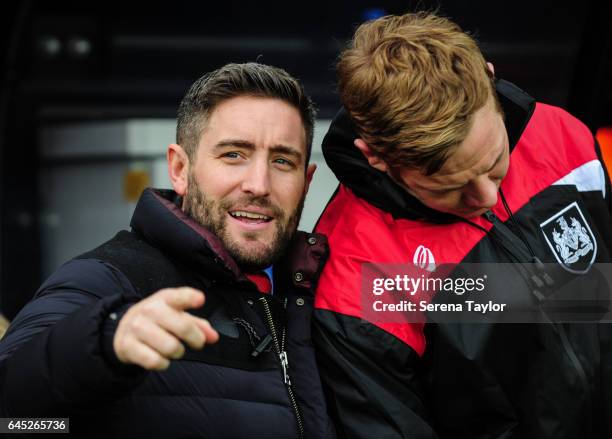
{"x":570,"y":238}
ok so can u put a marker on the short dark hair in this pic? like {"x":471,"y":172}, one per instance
{"x":233,"y":80}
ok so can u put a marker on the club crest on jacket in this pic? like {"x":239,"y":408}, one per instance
{"x":570,"y":238}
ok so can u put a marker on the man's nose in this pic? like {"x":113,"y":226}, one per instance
{"x":482,"y":193}
{"x":256,"y":179}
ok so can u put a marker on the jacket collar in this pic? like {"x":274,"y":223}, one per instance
{"x":377,"y":188}
{"x":159,"y":219}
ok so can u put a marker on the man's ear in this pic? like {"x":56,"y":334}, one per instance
{"x":374,"y":161}
{"x":310,"y":170}
{"x":178,"y":168}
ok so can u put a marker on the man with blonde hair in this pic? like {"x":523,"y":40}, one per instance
{"x":441,"y":163}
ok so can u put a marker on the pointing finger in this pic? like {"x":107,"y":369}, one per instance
{"x":183,"y":298}
{"x":212,"y":336}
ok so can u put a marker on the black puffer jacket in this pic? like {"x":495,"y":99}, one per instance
{"x":57,"y":358}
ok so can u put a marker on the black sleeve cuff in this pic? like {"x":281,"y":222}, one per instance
{"x":107,"y":336}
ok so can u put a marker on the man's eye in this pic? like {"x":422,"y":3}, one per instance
{"x":232,"y":155}
{"x":283,"y":162}
{"x":441,"y":191}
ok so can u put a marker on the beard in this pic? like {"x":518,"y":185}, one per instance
{"x":252,"y":255}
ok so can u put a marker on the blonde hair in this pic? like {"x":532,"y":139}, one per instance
{"x":411,"y":84}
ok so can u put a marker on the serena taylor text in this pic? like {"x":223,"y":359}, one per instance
{"x":424,"y":306}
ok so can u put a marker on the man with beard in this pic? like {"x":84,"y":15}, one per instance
{"x":119,"y":339}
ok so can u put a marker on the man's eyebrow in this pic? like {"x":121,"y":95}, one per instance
{"x":235,"y":143}
{"x":497,"y":160}
{"x":245,"y":144}
{"x":450,"y":188}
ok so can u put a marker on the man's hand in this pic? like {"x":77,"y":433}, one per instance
{"x":150,"y":332}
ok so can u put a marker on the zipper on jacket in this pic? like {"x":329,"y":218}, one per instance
{"x":262,"y":346}
{"x":515,"y":245}
{"x":542,"y":279}
{"x":284,"y":362}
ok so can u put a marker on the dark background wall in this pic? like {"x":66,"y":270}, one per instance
{"x":68,"y":61}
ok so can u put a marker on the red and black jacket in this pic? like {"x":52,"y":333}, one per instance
{"x":414,"y":380}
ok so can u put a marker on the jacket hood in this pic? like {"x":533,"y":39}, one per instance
{"x":377,"y":188}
